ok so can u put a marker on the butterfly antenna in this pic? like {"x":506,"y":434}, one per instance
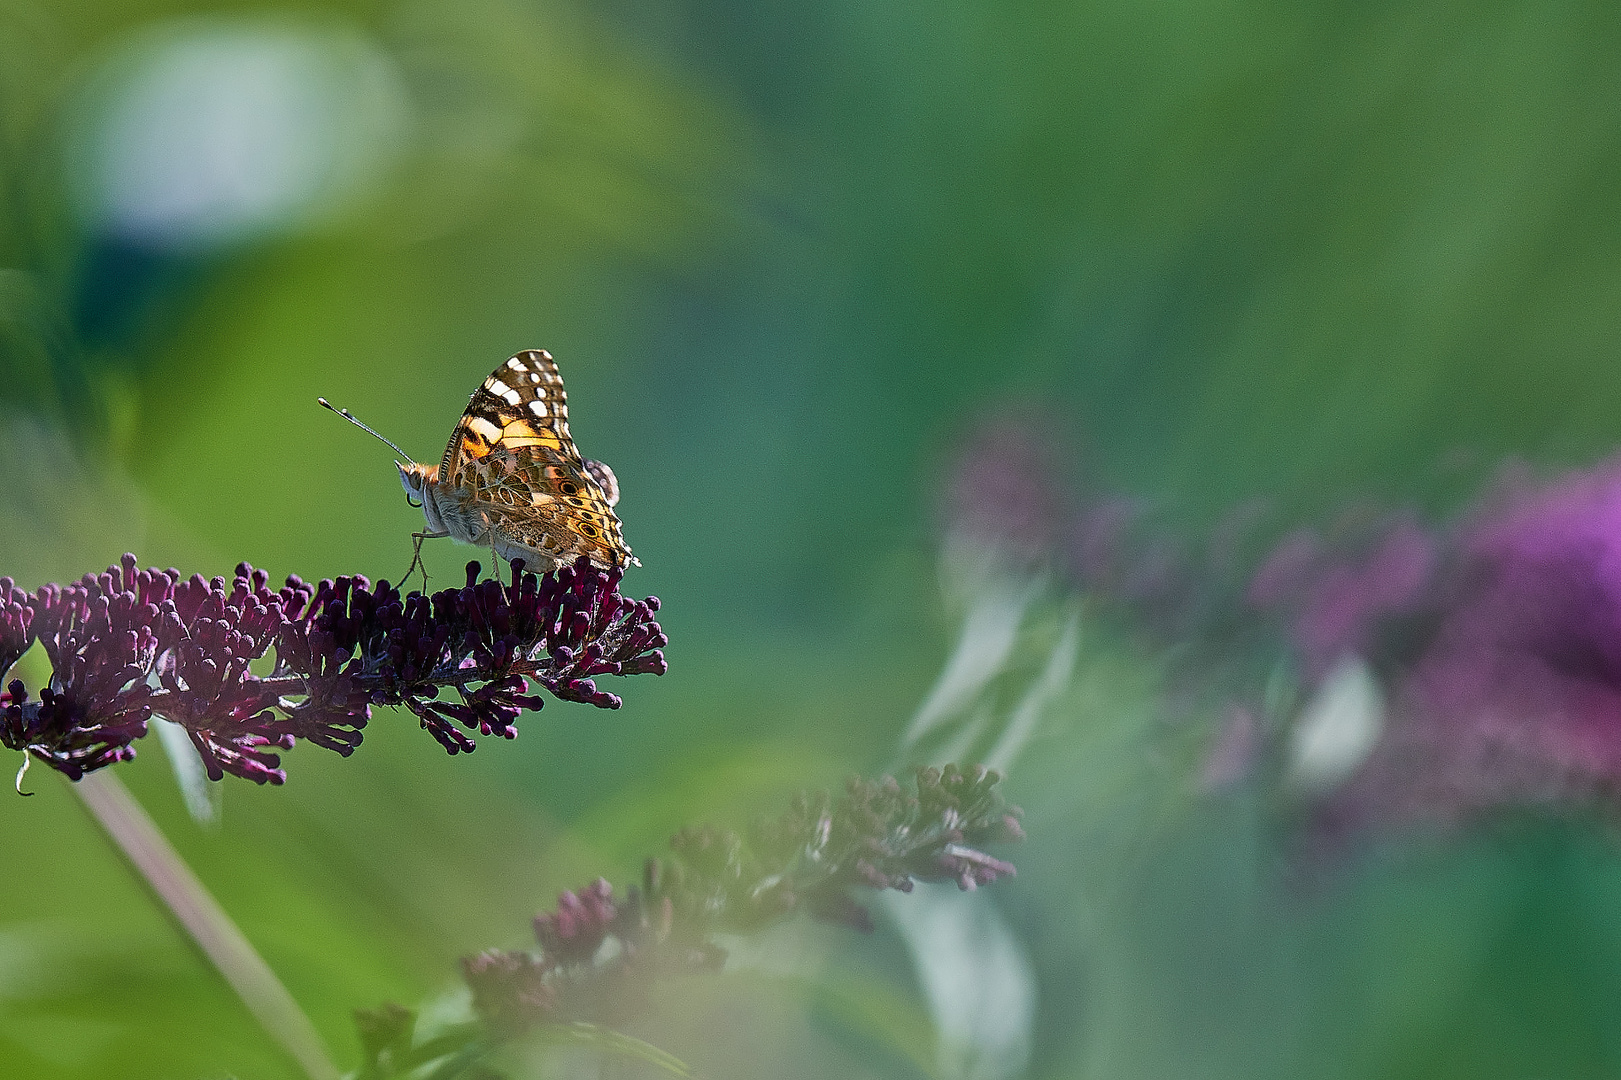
{"x":349,"y":416}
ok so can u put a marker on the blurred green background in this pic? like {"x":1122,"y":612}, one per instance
{"x":787,"y":256}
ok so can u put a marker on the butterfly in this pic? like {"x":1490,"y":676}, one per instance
{"x":511,"y":479}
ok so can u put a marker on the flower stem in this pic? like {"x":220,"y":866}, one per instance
{"x":209,"y":926}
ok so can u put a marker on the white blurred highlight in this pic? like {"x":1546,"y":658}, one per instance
{"x":1026,"y":718}
{"x":976,"y":977}
{"x":974,"y":971}
{"x":996,"y":607}
{"x":1338,"y":727}
{"x":202,"y":133}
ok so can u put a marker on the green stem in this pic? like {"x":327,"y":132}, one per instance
{"x":209,"y":926}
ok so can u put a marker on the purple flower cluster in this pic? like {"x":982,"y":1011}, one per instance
{"x":16,"y":623}
{"x":130,"y":644}
{"x":560,"y":631}
{"x":599,"y":955}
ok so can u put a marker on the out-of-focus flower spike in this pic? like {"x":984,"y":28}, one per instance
{"x":600,"y":954}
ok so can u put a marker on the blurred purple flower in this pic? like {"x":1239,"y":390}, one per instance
{"x":510,"y":989}
{"x":1336,"y":603}
{"x":1499,"y":641}
{"x":576,"y":930}
{"x":1008,"y":491}
{"x":1005,"y":491}
{"x":1513,"y":692}
{"x":1496,"y":641}
{"x":129,"y":644}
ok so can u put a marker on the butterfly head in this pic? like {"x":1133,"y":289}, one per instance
{"x":421,"y":490}
{"x":416,"y":479}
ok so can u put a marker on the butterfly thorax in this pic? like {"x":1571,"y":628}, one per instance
{"x":447,"y":510}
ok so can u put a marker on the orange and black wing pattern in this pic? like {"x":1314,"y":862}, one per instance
{"x":511,"y":458}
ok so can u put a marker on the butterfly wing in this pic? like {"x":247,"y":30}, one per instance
{"x":606,"y":480}
{"x":511,"y":458}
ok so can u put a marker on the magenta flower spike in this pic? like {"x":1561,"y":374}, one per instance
{"x":130,"y":644}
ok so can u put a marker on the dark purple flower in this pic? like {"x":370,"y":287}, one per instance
{"x":129,"y":644}
{"x":16,"y":623}
{"x":100,"y":636}
{"x":561,"y":631}
{"x":571,"y":976}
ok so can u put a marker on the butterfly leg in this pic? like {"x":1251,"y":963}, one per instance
{"x":416,"y":556}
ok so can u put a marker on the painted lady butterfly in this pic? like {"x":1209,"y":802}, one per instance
{"x":511,"y":479}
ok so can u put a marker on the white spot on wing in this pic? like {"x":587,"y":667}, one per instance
{"x":496,"y":386}
{"x":483,"y":427}
{"x":537,"y":407}
{"x":513,"y":397}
